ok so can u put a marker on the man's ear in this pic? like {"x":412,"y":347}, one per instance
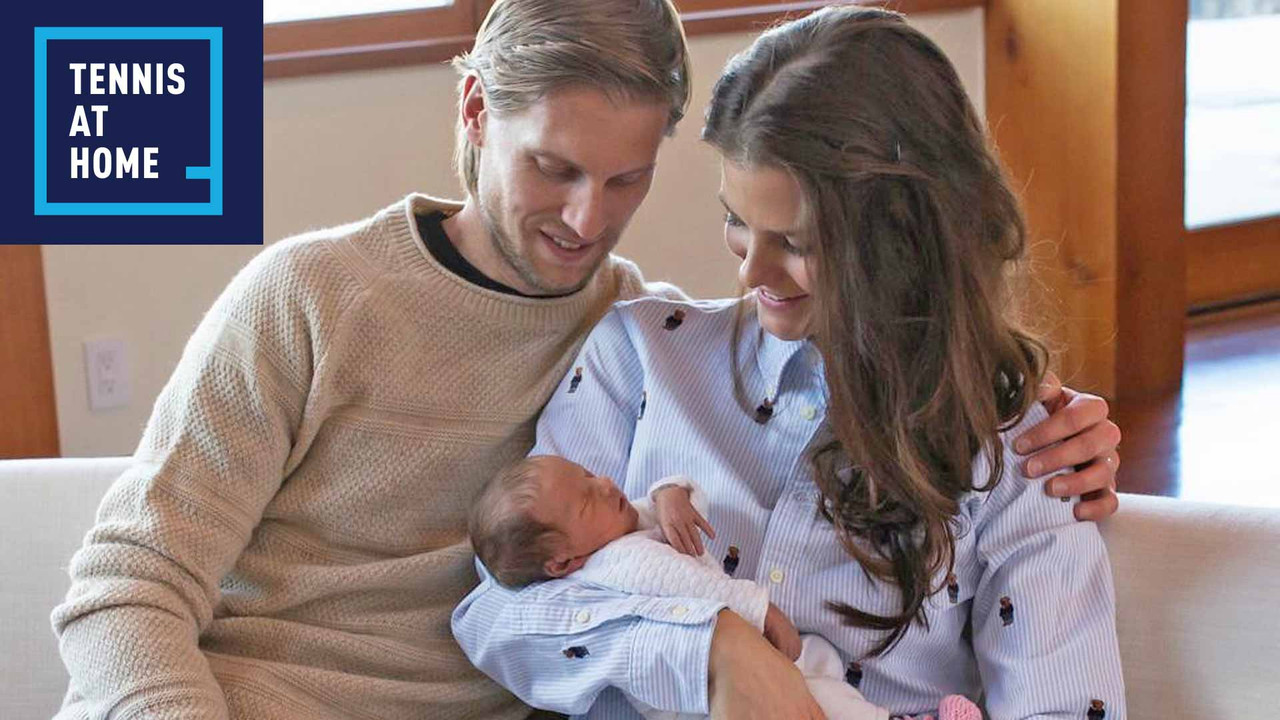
{"x":474,"y":109}
{"x":562,"y":565}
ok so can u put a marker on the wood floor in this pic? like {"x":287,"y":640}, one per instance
{"x":1219,"y":441}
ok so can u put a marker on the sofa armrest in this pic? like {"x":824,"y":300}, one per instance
{"x":46,"y":507}
{"x":1198,"y":607}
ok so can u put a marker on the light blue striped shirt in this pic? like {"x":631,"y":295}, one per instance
{"x":655,"y":398}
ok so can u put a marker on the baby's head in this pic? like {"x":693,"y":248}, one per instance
{"x":543,"y":516}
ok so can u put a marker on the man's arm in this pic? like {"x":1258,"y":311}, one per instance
{"x":1078,"y":437}
{"x":145,"y":583}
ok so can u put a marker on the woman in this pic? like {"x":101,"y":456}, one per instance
{"x":850,"y":421}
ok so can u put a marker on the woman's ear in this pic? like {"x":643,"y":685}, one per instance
{"x":474,"y":110}
{"x":562,"y":565}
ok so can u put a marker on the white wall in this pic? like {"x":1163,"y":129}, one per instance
{"x":339,"y":147}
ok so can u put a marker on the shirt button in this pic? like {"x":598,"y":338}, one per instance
{"x":776,"y":575}
{"x":808,"y":412}
{"x":583,"y":617}
{"x":679,"y":611}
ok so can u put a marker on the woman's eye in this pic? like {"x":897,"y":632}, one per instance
{"x":733,"y":220}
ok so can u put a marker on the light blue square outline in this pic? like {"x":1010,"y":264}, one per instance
{"x":213,"y":171}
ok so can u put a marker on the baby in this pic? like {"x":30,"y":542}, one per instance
{"x":545,"y":517}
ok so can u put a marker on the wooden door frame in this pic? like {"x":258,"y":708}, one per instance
{"x":28,"y":408}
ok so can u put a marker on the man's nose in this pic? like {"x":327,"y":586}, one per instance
{"x":585,"y":211}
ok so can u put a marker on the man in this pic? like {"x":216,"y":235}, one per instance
{"x":290,"y":538}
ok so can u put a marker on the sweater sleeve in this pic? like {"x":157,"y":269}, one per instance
{"x":146,"y":581}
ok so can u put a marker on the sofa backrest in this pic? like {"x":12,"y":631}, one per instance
{"x":46,"y":506}
{"x":1197,"y":594}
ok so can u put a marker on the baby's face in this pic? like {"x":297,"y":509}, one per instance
{"x":591,"y":511}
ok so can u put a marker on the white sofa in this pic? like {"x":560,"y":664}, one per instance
{"x":1198,"y":591}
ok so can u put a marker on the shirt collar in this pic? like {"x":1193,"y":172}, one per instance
{"x":774,"y":355}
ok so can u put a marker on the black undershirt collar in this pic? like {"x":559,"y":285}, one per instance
{"x":431,"y":228}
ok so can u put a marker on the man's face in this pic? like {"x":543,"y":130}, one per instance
{"x":558,"y":182}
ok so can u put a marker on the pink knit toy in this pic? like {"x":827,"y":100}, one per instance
{"x":955,"y":707}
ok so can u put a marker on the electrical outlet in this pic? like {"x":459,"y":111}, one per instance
{"x":107,"y":368}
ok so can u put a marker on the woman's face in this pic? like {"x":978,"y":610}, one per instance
{"x":764,"y":226}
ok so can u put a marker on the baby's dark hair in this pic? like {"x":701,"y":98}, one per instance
{"x":511,"y":543}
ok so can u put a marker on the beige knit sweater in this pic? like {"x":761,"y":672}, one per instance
{"x":290,"y":539}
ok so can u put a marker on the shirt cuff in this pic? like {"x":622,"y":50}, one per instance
{"x":670,"y":655}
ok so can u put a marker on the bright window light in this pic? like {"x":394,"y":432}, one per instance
{"x":1233,"y":111}
{"x":278,"y":11}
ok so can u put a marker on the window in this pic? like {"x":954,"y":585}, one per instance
{"x":1232,"y":175}
{"x":278,"y":11}
{"x":1233,"y":111}
{"x":303,"y":37}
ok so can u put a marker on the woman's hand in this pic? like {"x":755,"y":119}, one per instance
{"x":749,"y":680}
{"x":1087,"y":443}
{"x":680,"y":520}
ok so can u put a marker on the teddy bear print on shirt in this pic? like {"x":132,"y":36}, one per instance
{"x":731,"y":560}
{"x":853,"y":674}
{"x":1006,"y":611}
{"x":764,"y":411}
{"x":674,"y":320}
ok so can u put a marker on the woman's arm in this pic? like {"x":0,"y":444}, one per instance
{"x":532,"y":641}
{"x":558,"y":644}
{"x":1044,"y":611}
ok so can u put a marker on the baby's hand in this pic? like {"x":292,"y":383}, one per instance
{"x":680,"y":521}
{"x":779,"y":631}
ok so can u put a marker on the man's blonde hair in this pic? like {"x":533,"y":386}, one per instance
{"x":526,"y":49}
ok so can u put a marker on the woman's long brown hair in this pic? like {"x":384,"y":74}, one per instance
{"x":916,"y":233}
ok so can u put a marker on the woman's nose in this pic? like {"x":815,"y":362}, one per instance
{"x":756,"y":265}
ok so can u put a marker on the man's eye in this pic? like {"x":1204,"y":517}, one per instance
{"x":733,"y":220}
{"x":559,"y":172}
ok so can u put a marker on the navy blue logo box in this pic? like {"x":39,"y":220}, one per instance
{"x":144,"y":122}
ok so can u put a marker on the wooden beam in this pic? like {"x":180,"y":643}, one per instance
{"x":1150,"y":248}
{"x":1085,"y":101}
{"x":28,"y":412}
{"x":1051,"y":100}
{"x":1233,"y":263}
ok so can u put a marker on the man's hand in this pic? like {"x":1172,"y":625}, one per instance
{"x":1087,"y":443}
{"x":749,"y":680}
{"x":781,"y":633}
{"x":680,"y":520}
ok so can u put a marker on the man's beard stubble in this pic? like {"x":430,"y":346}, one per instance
{"x":509,"y":250}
